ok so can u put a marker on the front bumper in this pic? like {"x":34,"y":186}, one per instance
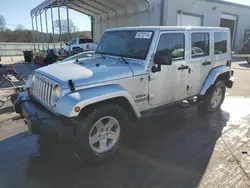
{"x":39,"y":120}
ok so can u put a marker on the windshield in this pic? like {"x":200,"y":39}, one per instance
{"x":131,"y":44}
{"x":79,"y":56}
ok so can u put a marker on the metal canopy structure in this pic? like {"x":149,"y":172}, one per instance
{"x":98,"y":10}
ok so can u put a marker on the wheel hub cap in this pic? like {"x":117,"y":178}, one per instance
{"x":104,"y":134}
{"x":216,"y":99}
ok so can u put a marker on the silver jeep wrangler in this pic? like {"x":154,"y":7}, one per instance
{"x":134,"y":70}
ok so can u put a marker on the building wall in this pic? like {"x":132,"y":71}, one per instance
{"x":211,"y":13}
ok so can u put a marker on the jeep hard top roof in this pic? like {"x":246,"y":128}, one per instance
{"x":169,"y":28}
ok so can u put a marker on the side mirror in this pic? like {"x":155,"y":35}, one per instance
{"x":163,"y":58}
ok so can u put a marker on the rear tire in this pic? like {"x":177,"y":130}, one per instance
{"x":99,"y":133}
{"x":213,"y":99}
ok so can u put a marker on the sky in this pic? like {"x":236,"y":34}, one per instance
{"x":18,"y":12}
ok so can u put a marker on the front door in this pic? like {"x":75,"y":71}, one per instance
{"x":73,"y":44}
{"x":200,"y":61}
{"x":169,"y":84}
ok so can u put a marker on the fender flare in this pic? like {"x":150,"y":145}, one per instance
{"x":212,"y":76}
{"x":85,"y":97}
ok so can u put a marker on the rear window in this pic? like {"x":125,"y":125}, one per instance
{"x":220,"y":43}
{"x":82,"y":41}
{"x":90,"y":40}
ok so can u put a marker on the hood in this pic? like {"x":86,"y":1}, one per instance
{"x":89,"y":71}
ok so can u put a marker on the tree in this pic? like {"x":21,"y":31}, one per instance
{"x":2,"y":23}
{"x":19,"y":27}
{"x":64,"y":26}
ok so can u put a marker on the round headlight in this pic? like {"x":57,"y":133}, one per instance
{"x":57,"y":90}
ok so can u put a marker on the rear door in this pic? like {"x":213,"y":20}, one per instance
{"x":200,"y":61}
{"x":83,"y":43}
{"x":90,"y":45}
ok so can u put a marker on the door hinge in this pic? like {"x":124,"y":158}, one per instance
{"x":189,"y":87}
{"x":151,"y":97}
{"x":151,"y":78}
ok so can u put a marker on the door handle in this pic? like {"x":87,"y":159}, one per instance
{"x":182,"y":67}
{"x":206,"y":63}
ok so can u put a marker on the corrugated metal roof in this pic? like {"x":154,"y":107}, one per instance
{"x":100,"y":9}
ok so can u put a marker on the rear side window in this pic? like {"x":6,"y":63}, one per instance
{"x":74,"y":41}
{"x":220,"y":43}
{"x":82,"y":41}
{"x":90,"y":40}
{"x":174,"y":42}
{"x":200,"y":44}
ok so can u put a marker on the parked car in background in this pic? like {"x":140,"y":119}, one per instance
{"x":81,"y":44}
{"x":245,"y":49}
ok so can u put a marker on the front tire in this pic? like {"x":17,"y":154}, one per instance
{"x":213,"y":99}
{"x":99,"y":133}
{"x":248,"y":60}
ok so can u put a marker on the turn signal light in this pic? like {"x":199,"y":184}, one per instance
{"x":77,"y":109}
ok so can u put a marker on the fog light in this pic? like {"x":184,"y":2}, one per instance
{"x":77,"y":109}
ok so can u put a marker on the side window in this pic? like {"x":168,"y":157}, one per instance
{"x":70,"y":42}
{"x":220,"y":43}
{"x":82,"y":41}
{"x":73,"y":41}
{"x":200,"y":44}
{"x":174,"y":42}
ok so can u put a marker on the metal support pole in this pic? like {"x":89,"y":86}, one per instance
{"x":100,"y":26}
{"x":92,"y":27}
{"x":37,"y":34}
{"x":67,"y":9}
{"x":34,"y":40}
{"x":53,"y":32}
{"x":41,"y":22}
{"x":181,"y":12}
{"x":162,"y":13}
{"x":46,"y":22}
{"x":59,"y":18}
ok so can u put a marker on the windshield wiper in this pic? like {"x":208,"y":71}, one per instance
{"x":124,"y":60}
